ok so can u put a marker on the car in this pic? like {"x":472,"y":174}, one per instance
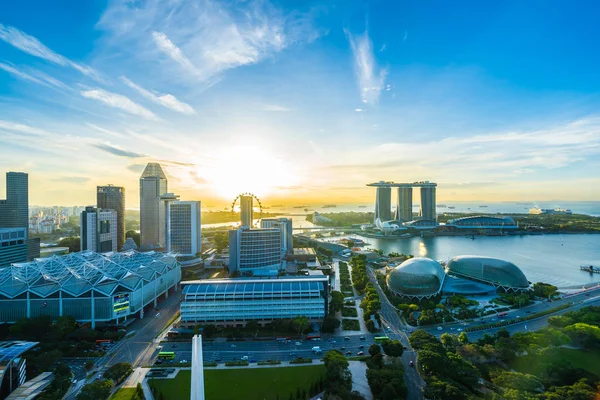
{"x":158,"y":347}
{"x":244,"y":358}
{"x":298,"y":343}
{"x":218,"y":359}
{"x":157,"y":315}
{"x":175,"y":346}
{"x":346,"y":338}
{"x":439,"y":328}
{"x":451,"y":329}
{"x":342,"y":348}
{"x":233,"y":346}
{"x":411,"y":363}
{"x":74,"y":381}
{"x":183,"y":361}
{"x":360,"y":353}
{"x":159,"y":361}
{"x":362,"y":338}
{"x":253,"y":360}
{"x":361,"y":347}
{"x":348,"y":353}
{"x":292,"y":354}
{"x":459,"y":329}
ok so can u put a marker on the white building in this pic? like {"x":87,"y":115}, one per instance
{"x":285,"y":228}
{"x":255,"y":251}
{"x":98,"y":230}
{"x":184,"y":224}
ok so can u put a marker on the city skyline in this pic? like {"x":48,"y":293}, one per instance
{"x":301,"y":105}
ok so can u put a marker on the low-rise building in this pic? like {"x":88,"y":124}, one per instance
{"x":13,"y":245}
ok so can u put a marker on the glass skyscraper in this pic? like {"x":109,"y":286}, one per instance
{"x":113,"y":198}
{"x":153,"y":184}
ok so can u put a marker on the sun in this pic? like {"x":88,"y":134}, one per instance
{"x":251,"y":169}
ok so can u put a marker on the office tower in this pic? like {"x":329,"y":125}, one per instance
{"x":13,"y":246}
{"x":113,"y":198}
{"x":98,"y":230}
{"x":404,"y":204}
{"x":428,"y":210}
{"x":383,"y":204}
{"x":285,"y":228}
{"x":165,"y":200}
{"x":153,"y":184}
{"x":246,"y":211}
{"x":183,"y":224}
{"x":14,"y":211}
{"x":255,"y":251}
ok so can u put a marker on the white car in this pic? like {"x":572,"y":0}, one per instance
{"x":439,"y":328}
{"x":298,"y":343}
{"x":459,"y":329}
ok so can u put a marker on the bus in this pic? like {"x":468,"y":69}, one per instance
{"x":381,"y":338}
{"x":502,"y":314}
{"x":103,"y":342}
{"x":313,"y":337}
{"x":167,"y":355}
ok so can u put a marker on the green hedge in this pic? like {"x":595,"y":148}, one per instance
{"x":302,"y":361}
{"x":349,"y":312}
{"x":350,"y":325}
{"x":210,"y":364}
{"x":236,"y":363}
{"x":269,"y":362}
{"x":518,"y":320}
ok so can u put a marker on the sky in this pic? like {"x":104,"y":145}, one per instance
{"x":301,"y":101}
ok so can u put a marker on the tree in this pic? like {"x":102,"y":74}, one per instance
{"x":337,"y":300}
{"x":65,"y":325}
{"x":72,"y":242}
{"x":89,"y":365}
{"x":330,"y":324}
{"x":338,"y":379}
{"x":300,"y":324}
{"x":587,"y":335}
{"x":463,"y":338}
{"x":118,"y":372}
{"x":393,"y":348}
{"x":221,"y":241}
{"x":578,"y":391}
{"x":374,"y":349}
{"x":545,"y":290}
{"x":97,"y":390}
{"x":134,"y":235}
{"x":517,"y":380}
{"x":449,"y":341}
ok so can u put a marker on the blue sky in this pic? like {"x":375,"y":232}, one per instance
{"x":302,"y":101}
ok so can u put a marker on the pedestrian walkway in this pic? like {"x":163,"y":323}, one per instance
{"x":137,"y":376}
{"x":359,"y":379}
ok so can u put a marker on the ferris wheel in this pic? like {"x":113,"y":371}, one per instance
{"x":260,"y":208}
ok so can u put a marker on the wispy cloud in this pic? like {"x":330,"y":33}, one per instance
{"x":276,"y":108}
{"x":204,"y":38}
{"x":119,"y":101}
{"x":371,"y":78}
{"x":34,"y":47}
{"x":105,"y":131}
{"x":72,"y":179}
{"x":21,"y":128}
{"x":43,"y":79}
{"x":117,"y":150}
{"x":166,"y":100}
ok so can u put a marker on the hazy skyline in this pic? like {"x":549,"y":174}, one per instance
{"x":301,"y":101}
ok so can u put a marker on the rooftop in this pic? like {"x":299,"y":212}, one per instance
{"x":390,"y":184}
{"x":305,"y":251}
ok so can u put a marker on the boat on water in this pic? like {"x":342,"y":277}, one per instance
{"x":441,"y":206}
{"x":362,"y":206}
{"x":329,"y":206}
{"x":451,"y":207}
{"x":484,"y":206}
{"x":300,"y":206}
{"x":550,"y":211}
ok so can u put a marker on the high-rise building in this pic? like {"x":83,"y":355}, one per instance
{"x":153,"y":184}
{"x":285,"y":228}
{"x":246,"y":211}
{"x":428,"y":210}
{"x":113,"y":198}
{"x":255,"y":251}
{"x":383,"y":204}
{"x":14,"y":211}
{"x":404,"y":211}
{"x":184,"y":224}
{"x":98,"y":230}
{"x":13,"y":246}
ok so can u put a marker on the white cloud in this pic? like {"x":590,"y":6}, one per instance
{"x":205,"y":37}
{"x":276,"y":108}
{"x":42,"y":79}
{"x":371,"y":78}
{"x":166,"y":100}
{"x":105,"y":131}
{"x":21,"y":128}
{"x":34,"y":47}
{"x":119,"y":101}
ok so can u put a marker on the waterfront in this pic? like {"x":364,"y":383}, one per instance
{"x":547,"y":258}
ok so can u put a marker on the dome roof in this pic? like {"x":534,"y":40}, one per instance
{"x":416,"y":277}
{"x":492,"y":270}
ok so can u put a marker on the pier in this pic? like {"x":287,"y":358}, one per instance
{"x":590,"y":268}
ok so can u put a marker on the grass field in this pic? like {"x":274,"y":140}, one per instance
{"x":536,"y":365}
{"x":124,"y":394}
{"x":350,"y":325}
{"x":247,"y":384}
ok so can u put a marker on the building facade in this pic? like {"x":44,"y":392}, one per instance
{"x":246,"y":211}
{"x":237,"y":301}
{"x":185,"y":237}
{"x":286,"y":230}
{"x":255,"y":251}
{"x":153,"y":184}
{"x":88,"y":286}
{"x":113,"y":198}
{"x":13,"y":246}
{"x":14,"y":210}
{"x":98,"y":230}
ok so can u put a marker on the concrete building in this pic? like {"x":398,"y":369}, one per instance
{"x":237,"y":301}
{"x":184,"y":233}
{"x":13,"y":245}
{"x":255,"y":251}
{"x":88,"y":286}
{"x":153,"y":184}
{"x":98,"y":230}
{"x":13,"y":366}
{"x":246,"y":211}
{"x":285,"y":228}
{"x":404,"y":202}
{"x":113,"y":198}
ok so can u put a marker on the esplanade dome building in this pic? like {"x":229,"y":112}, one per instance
{"x":417,"y":277}
{"x":491,"y":271}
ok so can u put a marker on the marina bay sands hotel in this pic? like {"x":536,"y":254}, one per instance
{"x":383,"y":202}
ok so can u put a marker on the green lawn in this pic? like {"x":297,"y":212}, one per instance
{"x":350,"y":325}
{"x":247,"y":384}
{"x":124,"y":394}
{"x":536,"y":365}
